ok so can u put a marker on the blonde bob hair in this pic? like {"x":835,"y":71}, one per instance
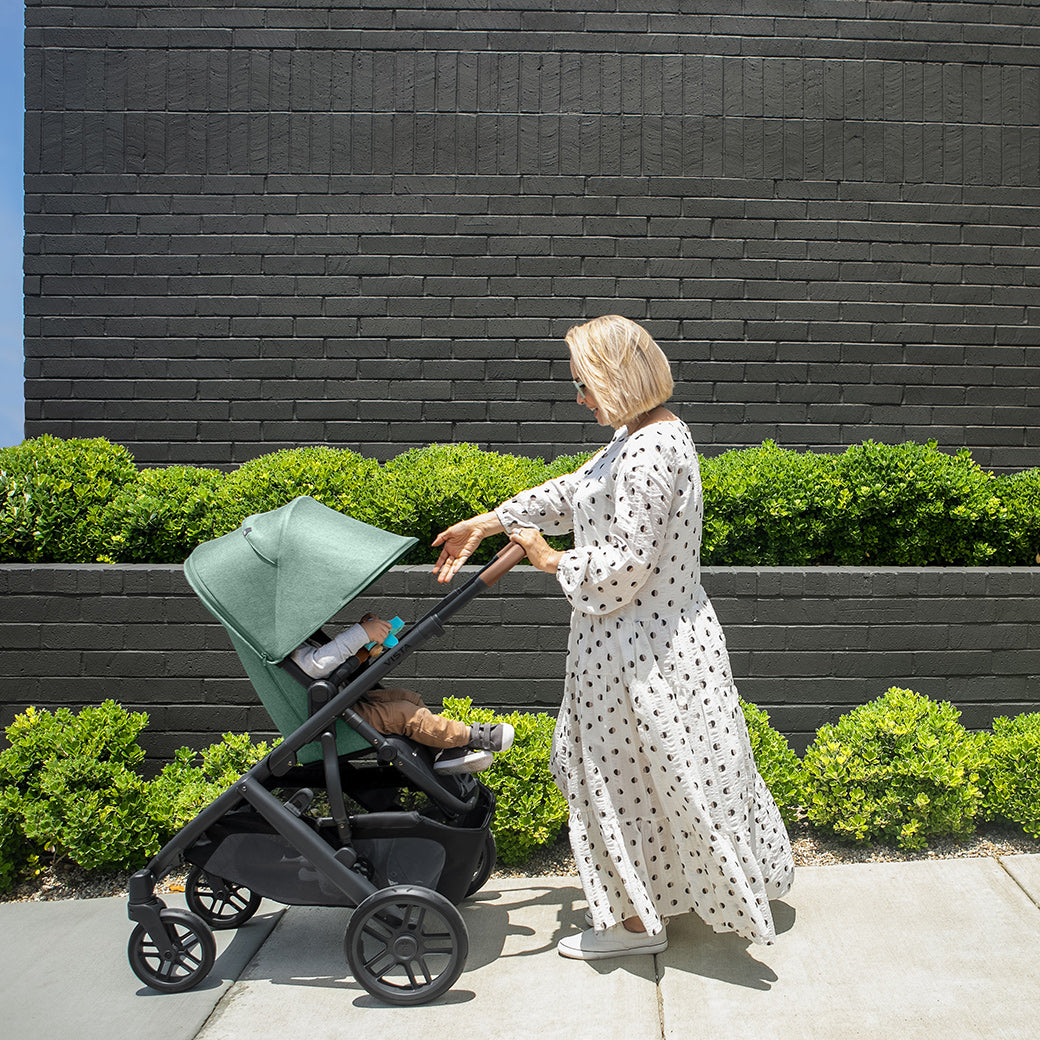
{"x":620,"y":362}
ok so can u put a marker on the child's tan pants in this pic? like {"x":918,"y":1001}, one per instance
{"x":402,"y":711}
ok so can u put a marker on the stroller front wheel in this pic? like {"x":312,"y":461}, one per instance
{"x":179,"y":964}
{"x":406,"y":945}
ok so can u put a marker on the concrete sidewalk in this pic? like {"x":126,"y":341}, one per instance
{"x":944,"y":949}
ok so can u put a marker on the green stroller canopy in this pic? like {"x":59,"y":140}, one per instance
{"x":283,"y":574}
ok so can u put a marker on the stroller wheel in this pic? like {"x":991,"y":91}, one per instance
{"x":406,"y":945}
{"x":486,"y":864}
{"x":188,"y":961}
{"x":220,"y":903}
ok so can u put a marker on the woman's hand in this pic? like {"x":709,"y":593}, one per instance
{"x":541,"y":554}
{"x":460,"y":542}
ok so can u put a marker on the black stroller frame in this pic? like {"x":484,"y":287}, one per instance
{"x":402,"y":871}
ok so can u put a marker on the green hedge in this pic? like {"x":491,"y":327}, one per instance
{"x":900,"y":770}
{"x":56,"y":499}
{"x":71,"y":789}
{"x":1011,"y":773}
{"x":874,"y":504}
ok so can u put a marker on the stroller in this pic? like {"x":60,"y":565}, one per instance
{"x":412,"y":843}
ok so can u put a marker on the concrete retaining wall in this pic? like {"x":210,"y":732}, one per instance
{"x":807,"y":644}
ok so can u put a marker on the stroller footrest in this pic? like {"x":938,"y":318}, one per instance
{"x":300,"y":802}
{"x":346,"y":856}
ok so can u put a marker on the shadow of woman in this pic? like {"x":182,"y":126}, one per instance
{"x":695,"y":949}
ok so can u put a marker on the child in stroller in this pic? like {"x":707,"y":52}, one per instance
{"x":463,"y":748}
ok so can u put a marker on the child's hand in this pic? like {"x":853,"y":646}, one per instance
{"x":375,"y":628}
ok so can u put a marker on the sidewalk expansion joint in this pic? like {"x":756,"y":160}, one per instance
{"x":658,"y":977}
{"x":1022,"y":888}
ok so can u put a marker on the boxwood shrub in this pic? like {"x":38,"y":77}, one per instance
{"x":1011,"y":775}
{"x":336,"y":477}
{"x":424,"y":491}
{"x":163,"y":515}
{"x":55,"y":498}
{"x":777,"y":763}
{"x":1019,"y":494}
{"x":194,"y":779}
{"x":911,"y":505}
{"x":69,"y":787}
{"x":80,"y":501}
{"x":900,"y":770}
{"x":896,"y":505}
{"x":768,"y":507}
{"x":530,"y":809}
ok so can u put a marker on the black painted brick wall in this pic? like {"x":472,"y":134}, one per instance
{"x":805,"y":644}
{"x":251,"y":226}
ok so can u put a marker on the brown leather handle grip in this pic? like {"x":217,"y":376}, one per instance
{"x":507,"y":558}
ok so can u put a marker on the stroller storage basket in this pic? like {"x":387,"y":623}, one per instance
{"x":393,"y":848}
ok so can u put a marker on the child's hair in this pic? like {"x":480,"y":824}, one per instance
{"x":622,"y":365}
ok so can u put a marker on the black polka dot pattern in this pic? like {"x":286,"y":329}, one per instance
{"x":668,"y":813}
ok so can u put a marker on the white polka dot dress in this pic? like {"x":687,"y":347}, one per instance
{"x":668,"y":813}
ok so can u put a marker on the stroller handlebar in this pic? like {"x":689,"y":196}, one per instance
{"x":506,"y":559}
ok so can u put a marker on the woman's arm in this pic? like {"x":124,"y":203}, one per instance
{"x":541,"y":554}
{"x":603,"y":577}
{"x":460,"y":541}
{"x":547,"y":507}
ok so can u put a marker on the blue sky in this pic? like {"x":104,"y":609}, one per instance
{"x":12,"y":111}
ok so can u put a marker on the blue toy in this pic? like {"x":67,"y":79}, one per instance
{"x":375,"y":649}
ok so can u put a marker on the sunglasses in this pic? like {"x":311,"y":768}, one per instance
{"x":579,"y":386}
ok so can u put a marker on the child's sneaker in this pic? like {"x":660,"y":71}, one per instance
{"x":491,"y":736}
{"x":462,"y":760}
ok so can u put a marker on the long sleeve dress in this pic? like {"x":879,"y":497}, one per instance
{"x":668,"y":813}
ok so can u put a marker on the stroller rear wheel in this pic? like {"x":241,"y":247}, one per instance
{"x":185,"y":964}
{"x":220,"y":903}
{"x":406,"y":945}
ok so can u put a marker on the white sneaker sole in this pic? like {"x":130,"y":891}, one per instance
{"x":474,"y":762}
{"x":571,"y":949}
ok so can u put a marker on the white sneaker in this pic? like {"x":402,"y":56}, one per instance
{"x":617,"y":941}
{"x":487,"y":736}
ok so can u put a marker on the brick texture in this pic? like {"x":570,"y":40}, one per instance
{"x":258,"y":226}
{"x":806,"y":644}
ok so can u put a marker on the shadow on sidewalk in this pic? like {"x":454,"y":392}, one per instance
{"x":504,"y":925}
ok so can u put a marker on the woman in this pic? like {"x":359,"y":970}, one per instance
{"x":668,"y":813}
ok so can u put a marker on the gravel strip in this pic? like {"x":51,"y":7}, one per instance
{"x":68,"y":881}
{"x":814,"y":850}
{"x":810,"y":850}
